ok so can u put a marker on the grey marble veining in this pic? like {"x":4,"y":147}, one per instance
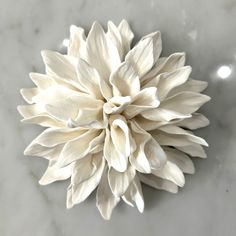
{"x":206,"y":206}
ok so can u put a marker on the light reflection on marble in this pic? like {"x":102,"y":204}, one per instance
{"x":206,"y":30}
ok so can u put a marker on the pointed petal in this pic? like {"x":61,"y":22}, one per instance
{"x":142,"y":57}
{"x":42,"y":81}
{"x":169,"y":64}
{"x":86,"y":176}
{"x":179,"y":133}
{"x":53,"y":174}
{"x":101,"y":54}
{"x":194,"y":150}
{"x":52,"y":136}
{"x":195,"y":122}
{"x":120,"y":181}
{"x":171,"y":172}
{"x":80,"y":147}
{"x":117,"y":160}
{"x":69,"y":203}
{"x":180,"y":159}
{"x":158,"y":183}
{"x":126,"y":35}
{"x":125,"y":81}
{"x":28,"y":94}
{"x":185,"y":102}
{"x":191,"y":85}
{"x":77,"y":42}
{"x":60,"y":65}
{"x":106,"y":201}
{"x":114,"y":35}
{"x":144,"y":100}
{"x":134,"y":195}
{"x":171,"y":80}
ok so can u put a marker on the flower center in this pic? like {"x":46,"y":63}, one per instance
{"x":116,"y":105}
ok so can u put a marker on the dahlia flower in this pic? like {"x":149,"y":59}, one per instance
{"x":116,"y":116}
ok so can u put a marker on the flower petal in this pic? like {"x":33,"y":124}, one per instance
{"x":115,"y":159}
{"x":125,"y":81}
{"x":191,"y":85}
{"x":180,"y":159}
{"x":53,"y":174}
{"x":158,"y":183}
{"x":120,"y":181}
{"x":28,"y":94}
{"x":86,"y":176}
{"x":101,"y":53}
{"x":169,"y":64}
{"x":148,"y":154}
{"x":144,"y":100}
{"x":126,"y":35}
{"x":52,"y":136}
{"x":106,"y":201}
{"x":42,"y":81}
{"x":80,"y":147}
{"x":171,"y":80}
{"x":171,"y":172}
{"x":194,"y":150}
{"x":142,"y":57}
{"x":179,"y":133}
{"x":195,"y":122}
{"x":77,"y":42}
{"x":134,"y":194}
{"x":60,"y":65}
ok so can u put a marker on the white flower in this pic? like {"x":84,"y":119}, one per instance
{"x":116,"y":116}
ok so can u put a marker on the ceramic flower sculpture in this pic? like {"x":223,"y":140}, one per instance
{"x":116,"y":116}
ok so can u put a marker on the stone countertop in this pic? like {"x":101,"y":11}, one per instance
{"x":206,"y":31}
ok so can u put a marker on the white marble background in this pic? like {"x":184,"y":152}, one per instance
{"x":206,"y":30}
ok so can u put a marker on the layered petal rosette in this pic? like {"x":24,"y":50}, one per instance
{"x":116,"y":116}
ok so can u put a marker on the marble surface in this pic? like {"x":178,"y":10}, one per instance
{"x":206,"y":30}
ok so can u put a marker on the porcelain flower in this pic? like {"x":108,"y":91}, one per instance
{"x":116,"y":116}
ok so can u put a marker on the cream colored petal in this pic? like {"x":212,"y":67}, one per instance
{"x":53,"y":174}
{"x":134,"y":195}
{"x":120,"y":135}
{"x":181,"y":133}
{"x":89,"y":78}
{"x":115,"y":159}
{"x":77,"y":43}
{"x":42,"y":81}
{"x":101,"y":53}
{"x":195,"y":122}
{"x":169,"y":64}
{"x":142,"y":57}
{"x":114,"y":35}
{"x":171,"y":172}
{"x":105,"y":200}
{"x":180,"y":159}
{"x":195,"y":150}
{"x":86,"y":176}
{"x":191,"y":85}
{"x":171,"y":80}
{"x":120,"y":181}
{"x":148,"y":154}
{"x":116,"y":104}
{"x":28,"y":94}
{"x":125,"y":81}
{"x":158,"y":183}
{"x":185,"y":102}
{"x":144,"y":100}
{"x":80,"y":147}
{"x":52,"y":136}
{"x":81,"y":108}
{"x":126,"y":35}
{"x":49,"y":153}
{"x":60,"y":65}
{"x":44,"y":120}
{"x":161,"y":114}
